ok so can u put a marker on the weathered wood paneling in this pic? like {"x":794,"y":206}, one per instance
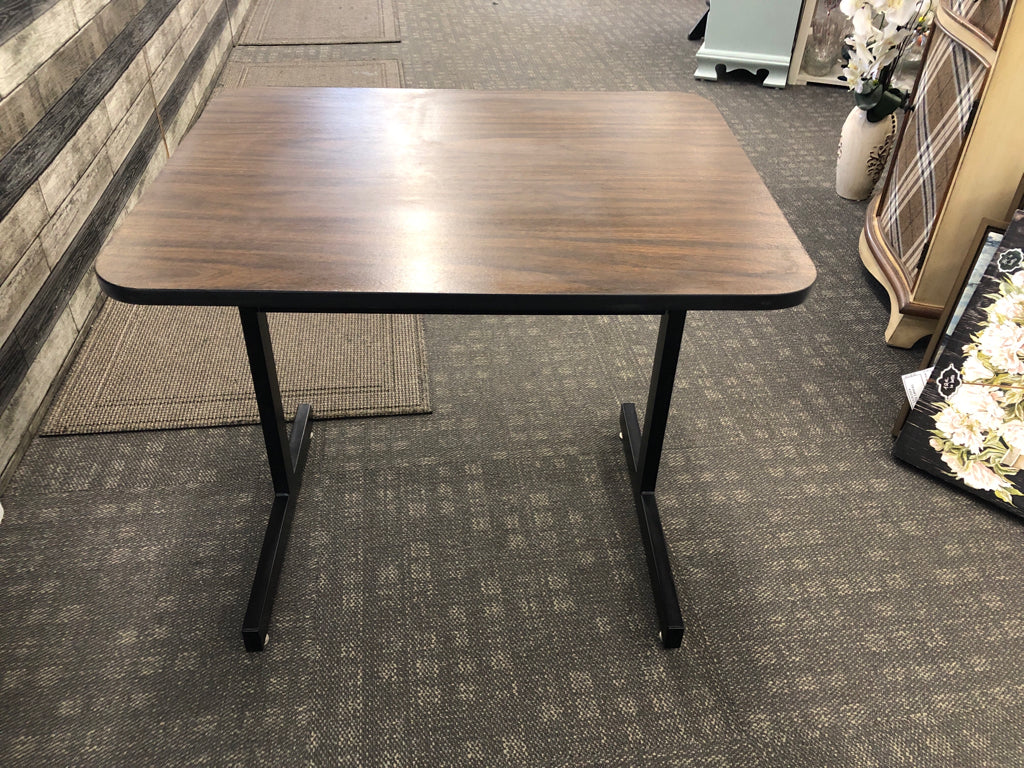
{"x":15,"y":15}
{"x":20,"y":227}
{"x":86,"y":9}
{"x":20,"y":167}
{"x":23,"y":53}
{"x":21,"y":285}
{"x":58,"y":233}
{"x":133,"y":114}
{"x":18,"y":113}
{"x":69,"y":165}
{"x":84,"y":300}
{"x":88,"y":134}
{"x":18,"y":419}
{"x":199,"y":49}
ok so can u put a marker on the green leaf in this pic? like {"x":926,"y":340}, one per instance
{"x":1013,"y":397}
{"x":992,"y":442}
{"x":1007,"y":494}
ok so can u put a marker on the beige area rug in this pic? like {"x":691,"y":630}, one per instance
{"x":385,"y":73}
{"x":145,"y":367}
{"x":309,"y":22}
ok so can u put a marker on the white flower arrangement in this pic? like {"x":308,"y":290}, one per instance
{"x":882,"y":30}
{"x":979,"y":427}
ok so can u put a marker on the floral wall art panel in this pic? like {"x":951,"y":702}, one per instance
{"x":968,"y":425}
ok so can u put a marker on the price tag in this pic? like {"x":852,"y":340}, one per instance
{"x":913,"y":384}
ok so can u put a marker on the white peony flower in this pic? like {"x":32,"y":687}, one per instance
{"x":1010,"y":306}
{"x":1012,"y":433}
{"x":1003,"y":343}
{"x":978,"y":475}
{"x":951,"y":461}
{"x":960,"y":429}
{"x":974,"y":370}
{"x":975,"y":474}
{"x":982,"y":405}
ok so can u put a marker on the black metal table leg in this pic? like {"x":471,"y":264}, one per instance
{"x":643,"y":455}
{"x":287,"y":458}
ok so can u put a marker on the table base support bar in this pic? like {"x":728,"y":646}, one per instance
{"x":275,"y":541}
{"x":666,"y":602}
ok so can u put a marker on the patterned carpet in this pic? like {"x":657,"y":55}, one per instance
{"x":467,"y":588}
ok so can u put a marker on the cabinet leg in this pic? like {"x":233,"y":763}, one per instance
{"x":903,"y":331}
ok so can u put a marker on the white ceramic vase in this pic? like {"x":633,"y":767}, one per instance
{"x":864,"y":148}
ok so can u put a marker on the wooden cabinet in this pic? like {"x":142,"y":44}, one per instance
{"x":959,"y":159}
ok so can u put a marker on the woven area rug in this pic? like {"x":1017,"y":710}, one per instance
{"x":386,"y":73}
{"x":308,"y":22}
{"x":145,"y":367}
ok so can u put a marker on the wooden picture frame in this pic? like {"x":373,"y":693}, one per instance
{"x":968,"y":425}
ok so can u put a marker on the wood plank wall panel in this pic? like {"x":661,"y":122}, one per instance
{"x":19,"y":228}
{"x":23,"y":164}
{"x":18,"y":113}
{"x":237,"y":10}
{"x":22,"y":285}
{"x":129,"y":105}
{"x":84,"y":129}
{"x":19,"y":418}
{"x":181,"y":105}
{"x":36,"y":43}
{"x":15,"y":15}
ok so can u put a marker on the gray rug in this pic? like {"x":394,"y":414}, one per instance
{"x":173,"y":367}
{"x":331,"y":74}
{"x":285,"y":22}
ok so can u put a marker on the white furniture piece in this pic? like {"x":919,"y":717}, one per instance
{"x":749,"y":34}
{"x":959,"y":160}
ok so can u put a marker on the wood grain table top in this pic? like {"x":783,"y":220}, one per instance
{"x":334,"y":199}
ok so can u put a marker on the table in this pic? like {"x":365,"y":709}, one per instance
{"x":434,"y":201}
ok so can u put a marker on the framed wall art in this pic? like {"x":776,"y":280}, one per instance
{"x":986,"y":241}
{"x":968,"y":424}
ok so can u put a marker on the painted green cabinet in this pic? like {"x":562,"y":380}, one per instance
{"x":753,"y":35}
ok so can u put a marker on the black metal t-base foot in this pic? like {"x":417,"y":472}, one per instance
{"x":643,"y":456}
{"x":275,"y":541}
{"x":287,"y":458}
{"x":670,"y":620}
